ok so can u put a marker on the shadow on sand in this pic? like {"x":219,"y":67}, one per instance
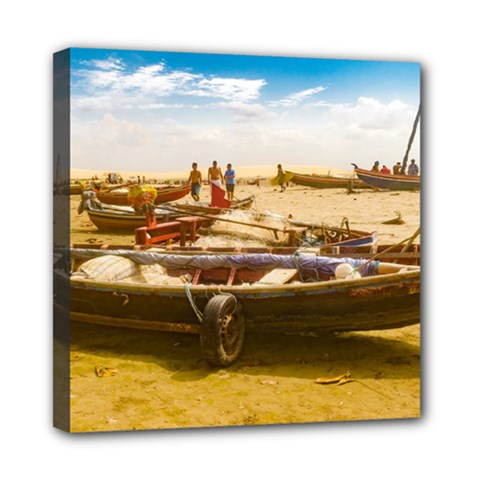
{"x":367,"y":355}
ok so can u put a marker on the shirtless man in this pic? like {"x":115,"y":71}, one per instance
{"x":215,"y":175}
{"x":195,"y":180}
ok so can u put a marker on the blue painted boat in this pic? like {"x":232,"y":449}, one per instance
{"x":370,"y":240}
{"x":388,"y":182}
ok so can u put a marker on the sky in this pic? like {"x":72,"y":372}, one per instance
{"x":161,"y":111}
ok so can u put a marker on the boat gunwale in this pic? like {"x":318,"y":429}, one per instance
{"x":376,"y":281}
{"x":386,"y":176}
{"x":320,"y":177}
{"x":160,"y":190}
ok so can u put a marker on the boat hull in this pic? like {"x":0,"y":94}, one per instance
{"x":110,"y":219}
{"x":389,"y":182}
{"x":264,"y":311}
{"x":104,"y":220}
{"x":164,"y":195}
{"x":324,"y":181}
{"x":76,"y":189}
{"x":192,"y":209}
{"x":370,"y":303}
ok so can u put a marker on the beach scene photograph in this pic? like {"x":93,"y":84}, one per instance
{"x":244,"y":240}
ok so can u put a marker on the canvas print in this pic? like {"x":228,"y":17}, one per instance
{"x":236,"y":240}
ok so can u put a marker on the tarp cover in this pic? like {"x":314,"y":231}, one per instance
{"x":308,"y":266}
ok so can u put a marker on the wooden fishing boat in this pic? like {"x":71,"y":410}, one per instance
{"x":118,"y":217}
{"x":390,"y":253}
{"x":388,"y":182}
{"x":164,"y":194}
{"x":197,"y":208}
{"x":325,"y":181}
{"x":320,"y":234}
{"x":222,"y":296}
{"x":76,"y":188}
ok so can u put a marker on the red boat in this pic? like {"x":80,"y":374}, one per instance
{"x":388,"y":182}
{"x":164,"y":194}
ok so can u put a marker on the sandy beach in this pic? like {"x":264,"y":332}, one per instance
{"x":163,"y":383}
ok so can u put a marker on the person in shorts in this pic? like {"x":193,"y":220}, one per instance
{"x":229,"y":177}
{"x":215,"y":174}
{"x":195,"y":180}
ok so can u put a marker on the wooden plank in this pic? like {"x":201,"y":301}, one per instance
{"x":196,"y":277}
{"x":135,"y":323}
{"x":231,"y":276}
{"x":278,"y":276}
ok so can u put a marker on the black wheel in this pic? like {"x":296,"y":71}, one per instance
{"x":222,"y":331}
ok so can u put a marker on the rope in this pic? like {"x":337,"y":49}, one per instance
{"x":197,"y":311}
{"x":298,"y":266}
{"x":230,"y":295}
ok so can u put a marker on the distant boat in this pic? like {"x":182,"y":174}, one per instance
{"x":325,"y":181}
{"x":76,"y":188}
{"x":386,"y":181}
{"x":393,"y":182}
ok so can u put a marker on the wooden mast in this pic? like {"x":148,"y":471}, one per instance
{"x":410,"y":141}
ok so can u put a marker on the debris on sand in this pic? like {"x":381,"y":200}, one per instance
{"x":339,"y":379}
{"x":105,"y":371}
{"x":395,"y":221}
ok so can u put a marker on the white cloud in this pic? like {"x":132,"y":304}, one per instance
{"x":104,"y":79}
{"x":106,"y":132}
{"x":229,"y":88}
{"x":161,"y":106}
{"x":109,"y":64}
{"x":246,"y":112}
{"x":370,"y":114}
{"x":297,"y":97}
{"x":324,"y":104}
{"x":153,"y":81}
{"x":109,"y":78}
{"x":361,"y":132}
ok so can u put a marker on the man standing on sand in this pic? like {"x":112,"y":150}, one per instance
{"x":195,"y":180}
{"x":413,"y":169}
{"x":230,"y":181}
{"x":280,"y":178}
{"x":215,"y":175}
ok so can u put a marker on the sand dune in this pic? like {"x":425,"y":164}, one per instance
{"x":249,"y":171}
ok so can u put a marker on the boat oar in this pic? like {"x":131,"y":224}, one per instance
{"x":412,"y":238}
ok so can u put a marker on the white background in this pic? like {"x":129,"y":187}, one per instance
{"x":445,"y":40}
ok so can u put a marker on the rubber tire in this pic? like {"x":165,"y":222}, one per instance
{"x":221,"y":343}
